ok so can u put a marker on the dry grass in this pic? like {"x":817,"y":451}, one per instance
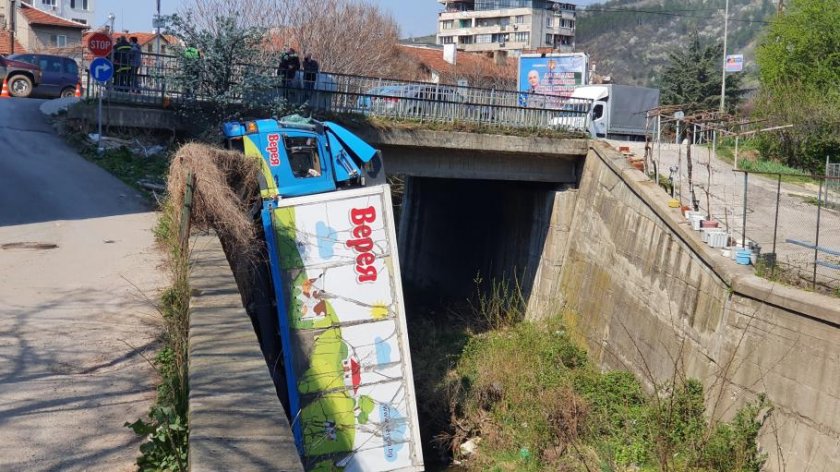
{"x":225,"y":184}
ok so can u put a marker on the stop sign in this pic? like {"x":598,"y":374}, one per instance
{"x":100,"y":44}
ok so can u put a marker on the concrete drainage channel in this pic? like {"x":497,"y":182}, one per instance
{"x":236,"y":420}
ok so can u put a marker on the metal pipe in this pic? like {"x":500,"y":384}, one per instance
{"x":723,"y":68}
{"x":817,"y":242}
{"x":744,"y":222}
{"x":778,"y":199}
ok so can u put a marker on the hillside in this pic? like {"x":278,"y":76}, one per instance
{"x":632,"y":47}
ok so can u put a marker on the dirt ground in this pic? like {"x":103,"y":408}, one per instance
{"x":797,"y":216}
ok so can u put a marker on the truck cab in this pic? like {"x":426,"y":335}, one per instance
{"x":305,"y":158}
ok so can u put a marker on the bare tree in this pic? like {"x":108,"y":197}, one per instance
{"x":345,"y":36}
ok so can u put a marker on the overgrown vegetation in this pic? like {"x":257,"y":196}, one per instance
{"x":800,"y":73}
{"x":531,"y":395}
{"x":166,"y":430}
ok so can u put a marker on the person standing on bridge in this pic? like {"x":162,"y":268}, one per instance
{"x":310,"y":71}
{"x":136,"y":60}
{"x":122,"y":63}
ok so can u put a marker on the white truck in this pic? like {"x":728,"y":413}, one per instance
{"x":619,"y":111}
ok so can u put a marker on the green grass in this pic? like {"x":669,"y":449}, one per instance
{"x":533,"y":397}
{"x":726,"y":153}
{"x":165,"y":431}
{"x":123,"y":163}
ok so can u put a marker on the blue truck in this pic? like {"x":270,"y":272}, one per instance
{"x":330,"y":236}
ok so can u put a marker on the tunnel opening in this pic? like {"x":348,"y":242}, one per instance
{"x":458,"y":236}
{"x":459,"y":240}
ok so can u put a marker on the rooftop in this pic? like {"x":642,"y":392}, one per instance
{"x":35,"y":16}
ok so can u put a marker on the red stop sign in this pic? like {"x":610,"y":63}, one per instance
{"x":100,"y":44}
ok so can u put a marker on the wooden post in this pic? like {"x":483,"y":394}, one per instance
{"x":186,"y":210}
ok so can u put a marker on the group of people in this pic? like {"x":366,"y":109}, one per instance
{"x":290,"y":64}
{"x":128,"y":57}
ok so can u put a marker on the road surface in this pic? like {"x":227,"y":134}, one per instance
{"x":78,"y":270}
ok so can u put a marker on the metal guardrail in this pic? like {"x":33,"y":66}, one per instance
{"x":157,"y":85}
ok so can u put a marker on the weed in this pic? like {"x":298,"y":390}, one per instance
{"x":499,"y":305}
{"x":527,"y":387}
{"x":166,"y":431}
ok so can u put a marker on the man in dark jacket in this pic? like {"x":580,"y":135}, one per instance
{"x":310,"y":71}
{"x":122,"y":63}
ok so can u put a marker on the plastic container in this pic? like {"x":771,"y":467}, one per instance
{"x":742,"y":256}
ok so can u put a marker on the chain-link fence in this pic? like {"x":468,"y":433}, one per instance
{"x":793,"y":226}
{"x":160,"y":82}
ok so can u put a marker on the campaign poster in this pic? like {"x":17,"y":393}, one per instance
{"x":551,"y":75}
{"x":734,"y":63}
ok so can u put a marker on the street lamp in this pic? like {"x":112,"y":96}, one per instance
{"x":111,"y":18}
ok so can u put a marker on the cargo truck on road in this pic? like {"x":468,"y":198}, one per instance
{"x":618,"y":111}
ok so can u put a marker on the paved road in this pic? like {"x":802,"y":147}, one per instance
{"x":77,"y":266}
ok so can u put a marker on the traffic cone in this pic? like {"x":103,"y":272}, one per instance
{"x":78,"y":90}
{"x":5,"y":92}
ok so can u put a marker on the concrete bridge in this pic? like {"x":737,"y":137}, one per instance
{"x":581,"y":229}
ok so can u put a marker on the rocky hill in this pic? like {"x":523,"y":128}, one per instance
{"x":632,"y":47}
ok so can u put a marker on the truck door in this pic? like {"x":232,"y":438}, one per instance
{"x":598,"y":120}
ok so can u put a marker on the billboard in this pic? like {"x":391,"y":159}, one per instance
{"x":734,"y":63}
{"x":555,"y":75}
{"x":342,"y":321}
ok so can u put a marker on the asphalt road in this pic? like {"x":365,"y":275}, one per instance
{"x":78,"y":275}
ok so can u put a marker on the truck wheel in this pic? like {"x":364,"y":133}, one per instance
{"x":20,"y":86}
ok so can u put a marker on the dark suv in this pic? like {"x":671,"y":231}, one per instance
{"x":21,"y":77}
{"x":59,"y":75}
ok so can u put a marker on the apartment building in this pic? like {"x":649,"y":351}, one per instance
{"x":77,"y":11}
{"x":507,"y":25}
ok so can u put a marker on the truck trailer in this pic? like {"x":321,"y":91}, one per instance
{"x":618,"y":111}
{"x":330,"y":235}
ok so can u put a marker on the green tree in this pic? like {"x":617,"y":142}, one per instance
{"x":227,"y":66}
{"x":693,"y":78}
{"x":799,"y":63}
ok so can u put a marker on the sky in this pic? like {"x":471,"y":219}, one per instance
{"x":415,"y":17}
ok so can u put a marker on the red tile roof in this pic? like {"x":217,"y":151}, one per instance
{"x":477,"y":63}
{"x":6,"y":43}
{"x":35,"y":16}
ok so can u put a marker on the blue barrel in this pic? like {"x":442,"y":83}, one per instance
{"x":743,"y":257}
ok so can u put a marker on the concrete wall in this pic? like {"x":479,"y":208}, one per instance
{"x":651,"y":297}
{"x":236,"y":421}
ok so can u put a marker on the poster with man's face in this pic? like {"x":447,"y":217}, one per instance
{"x":555,"y":75}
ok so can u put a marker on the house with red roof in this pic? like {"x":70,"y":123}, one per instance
{"x":40,"y":31}
{"x":430,"y":64}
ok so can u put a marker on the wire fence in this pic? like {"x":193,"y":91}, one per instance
{"x":787,"y":225}
{"x":159,"y":83}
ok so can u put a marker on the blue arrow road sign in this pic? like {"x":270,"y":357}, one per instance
{"x":101,"y":69}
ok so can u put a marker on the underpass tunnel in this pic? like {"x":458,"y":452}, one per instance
{"x":453,"y":231}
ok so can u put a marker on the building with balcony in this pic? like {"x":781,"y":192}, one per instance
{"x":507,"y":25}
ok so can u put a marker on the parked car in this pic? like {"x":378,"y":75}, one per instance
{"x":59,"y":74}
{"x":415,"y":100}
{"x":21,"y":77}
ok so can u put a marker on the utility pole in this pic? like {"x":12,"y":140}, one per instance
{"x":723,"y":72}
{"x":157,"y":29}
{"x":13,"y":15}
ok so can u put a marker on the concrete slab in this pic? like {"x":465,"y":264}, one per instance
{"x":236,"y":420}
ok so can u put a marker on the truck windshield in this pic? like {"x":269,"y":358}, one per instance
{"x":303,"y":157}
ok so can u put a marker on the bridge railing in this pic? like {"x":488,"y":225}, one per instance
{"x":161,"y":82}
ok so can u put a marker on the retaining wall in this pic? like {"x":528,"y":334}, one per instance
{"x":650,"y":297}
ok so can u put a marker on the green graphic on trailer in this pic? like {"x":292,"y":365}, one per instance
{"x":328,"y":423}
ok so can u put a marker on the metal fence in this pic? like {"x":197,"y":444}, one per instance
{"x":157,"y":84}
{"x":794,"y":221}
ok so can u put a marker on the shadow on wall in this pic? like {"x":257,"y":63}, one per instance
{"x":454,"y":232}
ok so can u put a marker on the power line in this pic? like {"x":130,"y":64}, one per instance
{"x":674,"y":13}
